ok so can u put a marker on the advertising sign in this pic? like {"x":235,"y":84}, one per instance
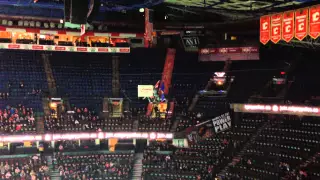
{"x":145,"y":90}
{"x":230,"y":53}
{"x":222,"y":123}
{"x":65,"y":48}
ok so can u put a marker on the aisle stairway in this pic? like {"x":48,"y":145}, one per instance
{"x":137,"y":167}
{"x":239,"y":155}
{"x":50,"y":79}
{"x":54,"y":173}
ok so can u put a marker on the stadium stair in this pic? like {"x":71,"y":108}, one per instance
{"x":54,"y":173}
{"x":239,"y":155}
{"x":45,"y":105}
{"x":175,"y":124}
{"x":40,"y":125}
{"x":135,"y":125}
{"x":50,"y":78}
{"x":137,"y":167}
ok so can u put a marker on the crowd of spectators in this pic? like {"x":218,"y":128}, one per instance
{"x":95,"y":165}
{"x":82,"y":119}
{"x":154,"y":124}
{"x":24,"y":168}
{"x":163,"y":161}
{"x":17,"y":120}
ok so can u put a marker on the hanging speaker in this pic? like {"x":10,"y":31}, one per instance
{"x":94,"y":8}
{"x":78,"y":11}
{"x":67,"y":10}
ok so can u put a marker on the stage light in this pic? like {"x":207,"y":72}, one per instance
{"x":282,"y":73}
{"x":61,"y":21}
{"x":20,"y":23}
{"x":52,"y":105}
{"x":4,"y":22}
{"x":32,"y":23}
{"x":52,"y":25}
{"x":26,"y":23}
{"x":38,"y":24}
{"x":141,"y":10}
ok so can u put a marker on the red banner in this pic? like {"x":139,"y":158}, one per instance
{"x":288,"y":26}
{"x":314,"y":26}
{"x":264,"y":29}
{"x":168,"y":69}
{"x":149,"y":109}
{"x":148,"y":27}
{"x":301,"y":21}
{"x":276,"y":20}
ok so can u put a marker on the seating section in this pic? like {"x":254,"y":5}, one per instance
{"x":22,"y":79}
{"x":162,"y":161}
{"x":85,"y":120}
{"x":23,"y":167}
{"x":95,"y":165}
{"x":281,"y":147}
{"x":148,"y":124}
{"x":85,"y":81}
{"x":18,"y":119}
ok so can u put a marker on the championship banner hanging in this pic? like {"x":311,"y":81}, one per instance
{"x":276,"y":20}
{"x":314,"y":24}
{"x":288,"y":26}
{"x":168,"y":69}
{"x":301,"y":21}
{"x":264,"y":29}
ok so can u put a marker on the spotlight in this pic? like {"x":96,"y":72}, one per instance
{"x":38,"y":24}
{"x":141,"y":10}
{"x":31,"y":23}
{"x":20,"y":23}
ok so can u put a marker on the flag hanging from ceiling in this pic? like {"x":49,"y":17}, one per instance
{"x":276,"y":20}
{"x":168,"y":69}
{"x":83,"y":29}
{"x":148,"y":26}
{"x":288,"y":26}
{"x":265,"y":29}
{"x":301,"y":21}
{"x":314,"y":24}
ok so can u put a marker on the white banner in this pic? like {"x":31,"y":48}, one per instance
{"x":222,"y":123}
{"x":145,"y":90}
{"x":36,"y":47}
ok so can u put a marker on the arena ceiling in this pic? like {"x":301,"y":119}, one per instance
{"x":173,"y":10}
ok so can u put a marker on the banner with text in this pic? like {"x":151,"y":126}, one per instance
{"x":314,"y":26}
{"x":285,"y":26}
{"x":276,"y":20}
{"x":222,"y":123}
{"x":301,"y":20}
{"x":265,"y":29}
{"x":145,"y":90}
{"x":288,"y":26}
{"x":226,"y":54}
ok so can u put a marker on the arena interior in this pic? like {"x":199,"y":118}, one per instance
{"x":159,"y":90}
